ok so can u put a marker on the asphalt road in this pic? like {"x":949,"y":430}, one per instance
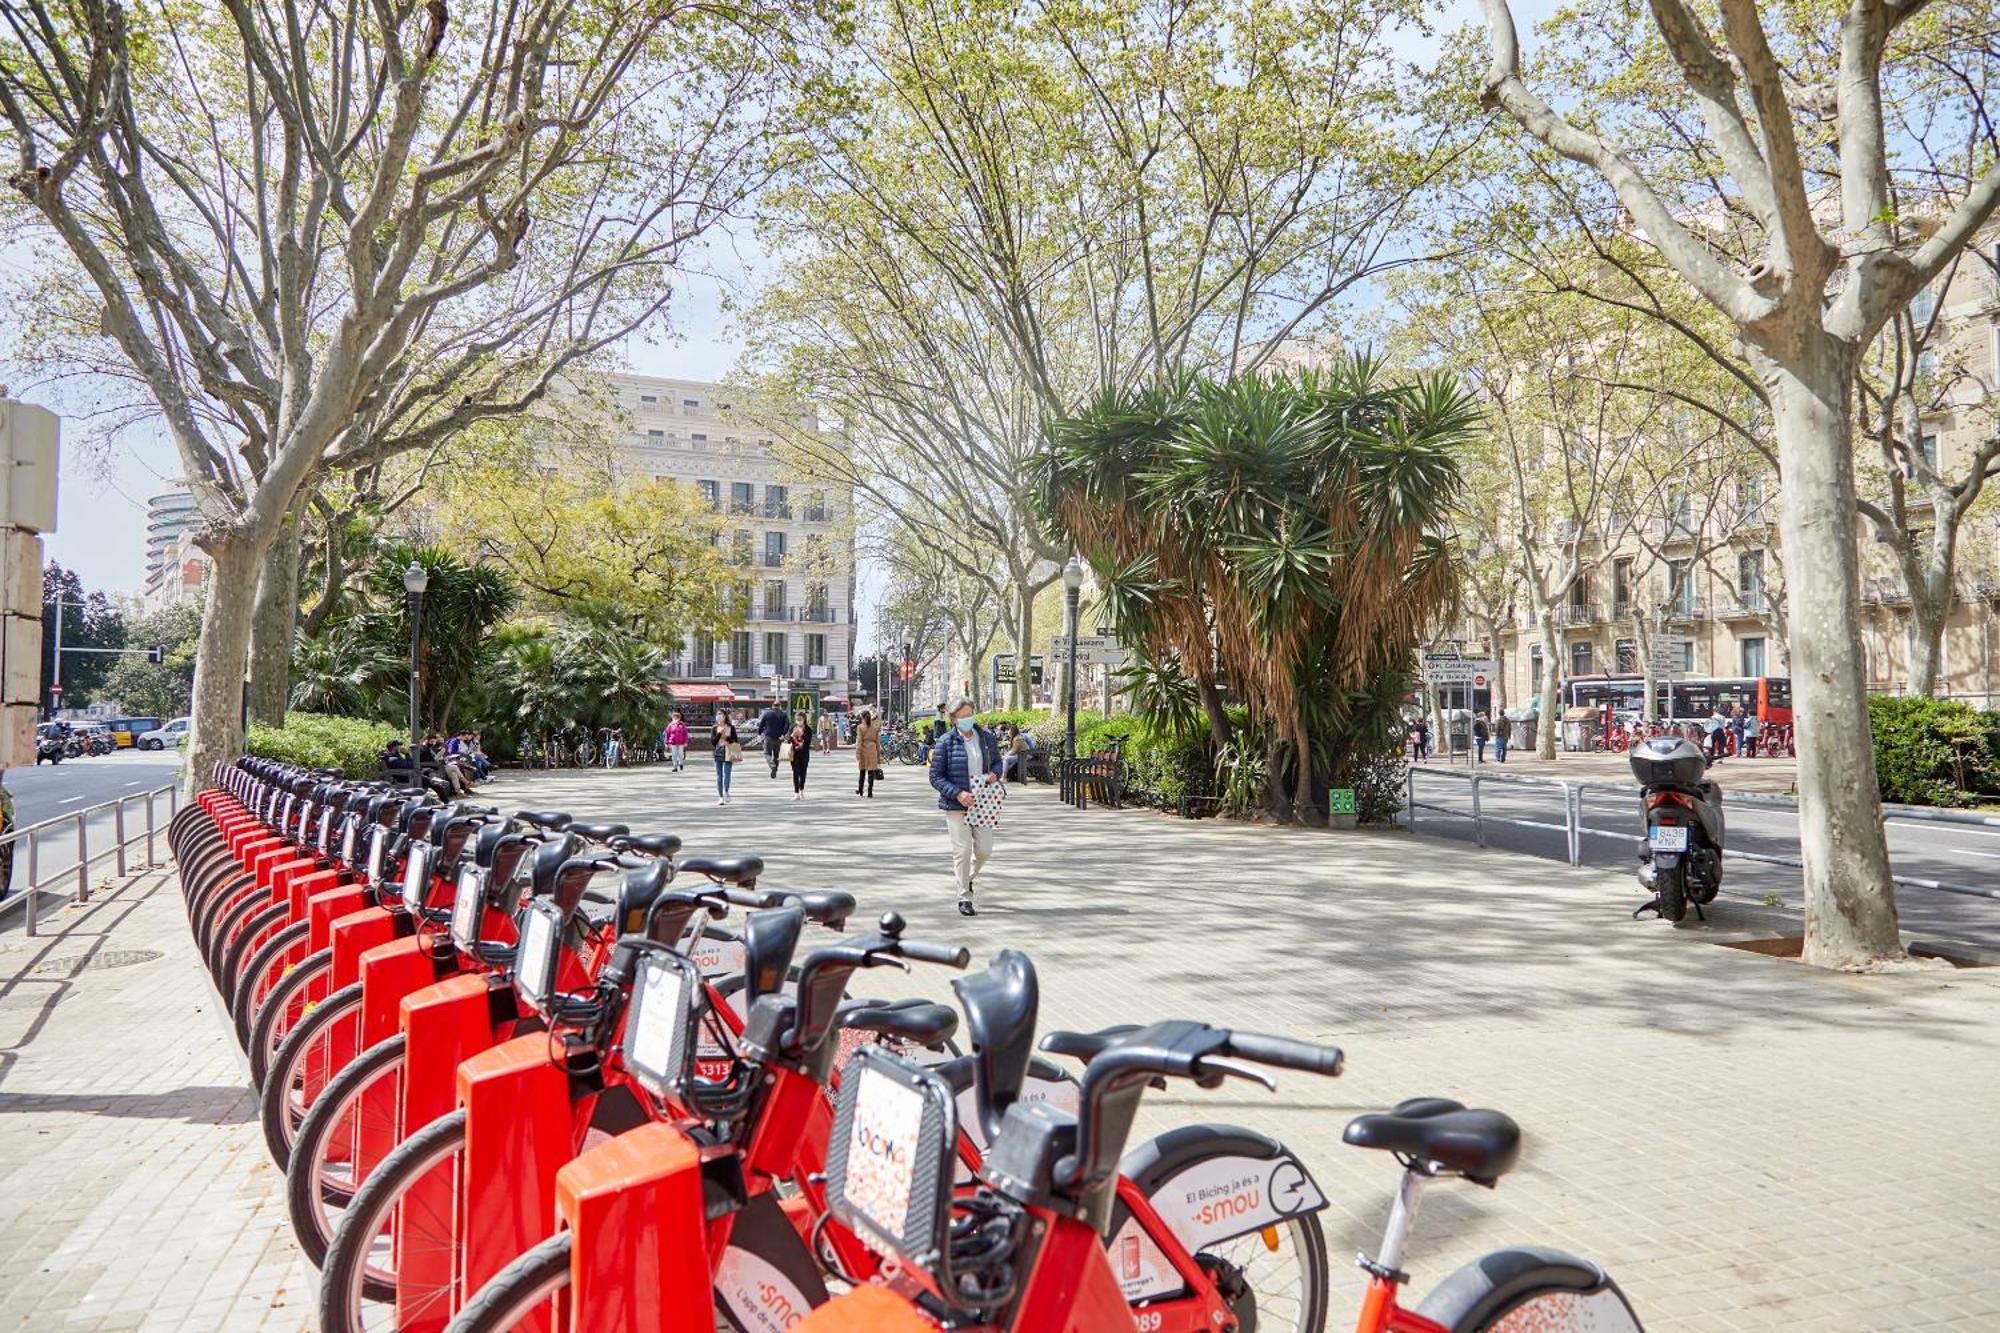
{"x":50,"y":791}
{"x":1950,"y":853}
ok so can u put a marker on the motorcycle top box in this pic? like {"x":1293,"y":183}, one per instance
{"x":1668,"y":761}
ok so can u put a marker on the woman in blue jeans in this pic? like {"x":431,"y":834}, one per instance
{"x":726,"y":754}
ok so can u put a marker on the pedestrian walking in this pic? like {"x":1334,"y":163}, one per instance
{"x":797,"y":748}
{"x":772,"y":726}
{"x":675,"y":737}
{"x":1753,"y":731}
{"x":1736,"y":728}
{"x":1500,"y":728}
{"x":1479,"y":735}
{"x":1420,"y":739}
{"x":827,"y":739}
{"x":728,"y":751}
{"x":867,"y":753}
{"x":962,"y":762}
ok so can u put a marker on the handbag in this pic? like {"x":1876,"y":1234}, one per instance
{"x":733,"y":754}
{"x":785,"y":753}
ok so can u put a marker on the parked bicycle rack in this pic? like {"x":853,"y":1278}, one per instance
{"x":1574,"y":830}
{"x":85,"y":858}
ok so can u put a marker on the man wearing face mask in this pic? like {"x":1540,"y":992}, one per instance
{"x":965,"y":759}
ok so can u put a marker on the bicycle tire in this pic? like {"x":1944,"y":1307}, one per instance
{"x":213,"y":893}
{"x":1527,"y":1288}
{"x":1308,"y":1240}
{"x":229,"y":923}
{"x":305,"y":1189}
{"x":268,"y":961}
{"x":250,"y":937}
{"x":345,"y":1280}
{"x":274,"y":1108}
{"x":532,"y":1280}
{"x":265,"y":1033}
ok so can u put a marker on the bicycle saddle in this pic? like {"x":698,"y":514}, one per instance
{"x":1086,"y":1046}
{"x":648,"y":844}
{"x":826,"y":907}
{"x":912,"y":1019}
{"x":548,"y":819}
{"x":1480,"y":1145}
{"x":1000,"y":1007}
{"x":741,"y":870}
{"x":598,"y":832}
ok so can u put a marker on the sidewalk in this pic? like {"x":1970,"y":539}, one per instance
{"x":1742,"y":1142}
{"x":135,"y":1192}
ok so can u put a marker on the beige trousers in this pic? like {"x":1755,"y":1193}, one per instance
{"x":970,"y":848}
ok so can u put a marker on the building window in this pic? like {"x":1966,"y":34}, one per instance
{"x":742,"y":552}
{"x":816,"y":605}
{"x":1579,"y":590}
{"x":704,"y":652}
{"x":649,"y":398}
{"x":774,"y":651}
{"x":711,"y":493}
{"x":698,"y":441}
{"x":1627,"y":651}
{"x":774,"y":599}
{"x":1621,"y":583}
{"x":1750,"y":498}
{"x":816,"y":507}
{"x":742,"y":497}
{"x":816,"y":650}
{"x":1680,"y":586}
{"x":690,"y":402}
{"x":656,"y":437}
{"x":1750,"y":579}
{"x":739,"y":650}
{"x":1927,"y":445}
{"x":774,"y":549}
{"x":1753,"y":656}
{"x":745,"y":602}
{"x":1535,"y":668}
{"x":775,"y":503}
{"x":1579,"y":658}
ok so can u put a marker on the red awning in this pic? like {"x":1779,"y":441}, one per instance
{"x":700,"y":692}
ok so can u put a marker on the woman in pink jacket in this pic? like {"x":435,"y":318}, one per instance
{"x":676,"y":738}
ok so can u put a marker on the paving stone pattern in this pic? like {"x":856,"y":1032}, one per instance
{"x":135,"y":1192}
{"x":1742,"y":1142}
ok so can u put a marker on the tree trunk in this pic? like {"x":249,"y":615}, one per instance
{"x":1849,"y":899}
{"x":1925,"y":633}
{"x":1499,"y":691}
{"x":1022,"y":693}
{"x":1219,"y":727}
{"x":273,"y":625}
{"x":216,"y":730}
{"x":1304,"y":809}
{"x":1550,"y":723}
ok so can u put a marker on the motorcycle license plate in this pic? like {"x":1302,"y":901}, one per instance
{"x":1667,"y":838}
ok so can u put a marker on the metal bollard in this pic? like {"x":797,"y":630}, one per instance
{"x":150,"y":858}
{"x":34,"y":888}
{"x":1410,"y":796}
{"x":1478,"y":823}
{"x":82,"y":859}
{"x":118,"y":832}
{"x":1573,"y":817}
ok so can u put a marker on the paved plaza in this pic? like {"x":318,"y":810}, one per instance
{"x":1742,"y":1142}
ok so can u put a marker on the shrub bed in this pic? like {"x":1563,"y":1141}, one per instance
{"x":320,"y":740}
{"x":1934,"y":751}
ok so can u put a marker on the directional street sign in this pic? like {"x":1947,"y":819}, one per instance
{"x":1452,"y":669}
{"x":1097,"y":649}
{"x":1667,"y":655}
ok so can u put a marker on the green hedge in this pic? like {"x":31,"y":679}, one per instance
{"x":1161,"y":770}
{"x":318,"y":740}
{"x":1934,"y":751}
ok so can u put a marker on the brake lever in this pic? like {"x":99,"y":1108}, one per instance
{"x":1210,"y":1070}
{"x":876,"y":958}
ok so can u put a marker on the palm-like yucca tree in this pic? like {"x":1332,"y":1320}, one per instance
{"x":342,"y":671}
{"x":1286,"y":535}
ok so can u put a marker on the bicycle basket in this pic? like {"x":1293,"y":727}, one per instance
{"x":465,"y":906}
{"x":416,"y":877}
{"x":889,"y":1162}
{"x":535,"y":961}
{"x":659,"y":1024}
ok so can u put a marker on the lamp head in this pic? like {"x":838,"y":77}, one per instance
{"x":415,"y":579}
{"x":1072,"y":575}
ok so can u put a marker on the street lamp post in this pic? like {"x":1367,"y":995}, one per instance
{"x":415,"y":580}
{"x":1072,"y":585}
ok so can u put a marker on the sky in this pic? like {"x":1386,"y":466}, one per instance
{"x":101,"y":511}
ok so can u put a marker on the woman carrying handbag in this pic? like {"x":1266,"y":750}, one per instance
{"x":798,"y":749}
{"x":728,"y":751}
{"x":867,"y":752}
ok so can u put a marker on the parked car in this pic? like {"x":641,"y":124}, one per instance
{"x":174,"y":733}
{"x":127,"y":730}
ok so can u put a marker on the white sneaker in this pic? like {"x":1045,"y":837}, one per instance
{"x":722,"y":800}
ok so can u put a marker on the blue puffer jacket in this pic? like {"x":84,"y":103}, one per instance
{"x":951,"y":771}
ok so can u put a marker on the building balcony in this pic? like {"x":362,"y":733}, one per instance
{"x":775,"y":613}
{"x":745,"y":507}
{"x":818,"y":615}
{"x":1753,"y":605}
{"x":1687,"y":609}
{"x":772,"y":560}
{"x":814,"y":514}
{"x":777,"y":509}
{"x":1578,"y":613}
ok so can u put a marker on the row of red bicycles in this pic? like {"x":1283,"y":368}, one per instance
{"x":1773,"y":741}
{"x":528,"y":1072}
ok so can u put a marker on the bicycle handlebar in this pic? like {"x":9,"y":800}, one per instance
{"x":1287,"y":1053}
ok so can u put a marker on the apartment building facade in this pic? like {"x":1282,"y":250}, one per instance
{"x":1715,"y":573}
{"x":176,"y":569}
{"x":793,"y":545}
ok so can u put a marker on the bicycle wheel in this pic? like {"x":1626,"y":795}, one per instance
{"x":332,"y":1154}
{"x":229,"y":923}
{"x":250,"y":937}
{"x":261,"y":973}
{"x":315,"y":1050}
{"x":520,"y":1291}
{"x":289,"y":1000}
{"x":1527,"y":1290}
{"x":362,"y":1282}
{"x":1275,"y":1278}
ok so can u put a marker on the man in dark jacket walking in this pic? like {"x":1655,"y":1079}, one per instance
{"x":965,"y":756}
{"x":772,"y":726}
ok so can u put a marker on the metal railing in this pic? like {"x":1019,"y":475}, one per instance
{"x":33,"y":835}
{"x":1574,"y":830}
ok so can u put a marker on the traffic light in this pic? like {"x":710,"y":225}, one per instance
{"x":156,"y":654}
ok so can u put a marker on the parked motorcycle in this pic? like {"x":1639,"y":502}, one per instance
{"x":49,"y":746}
{"x":1681,"y":854}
